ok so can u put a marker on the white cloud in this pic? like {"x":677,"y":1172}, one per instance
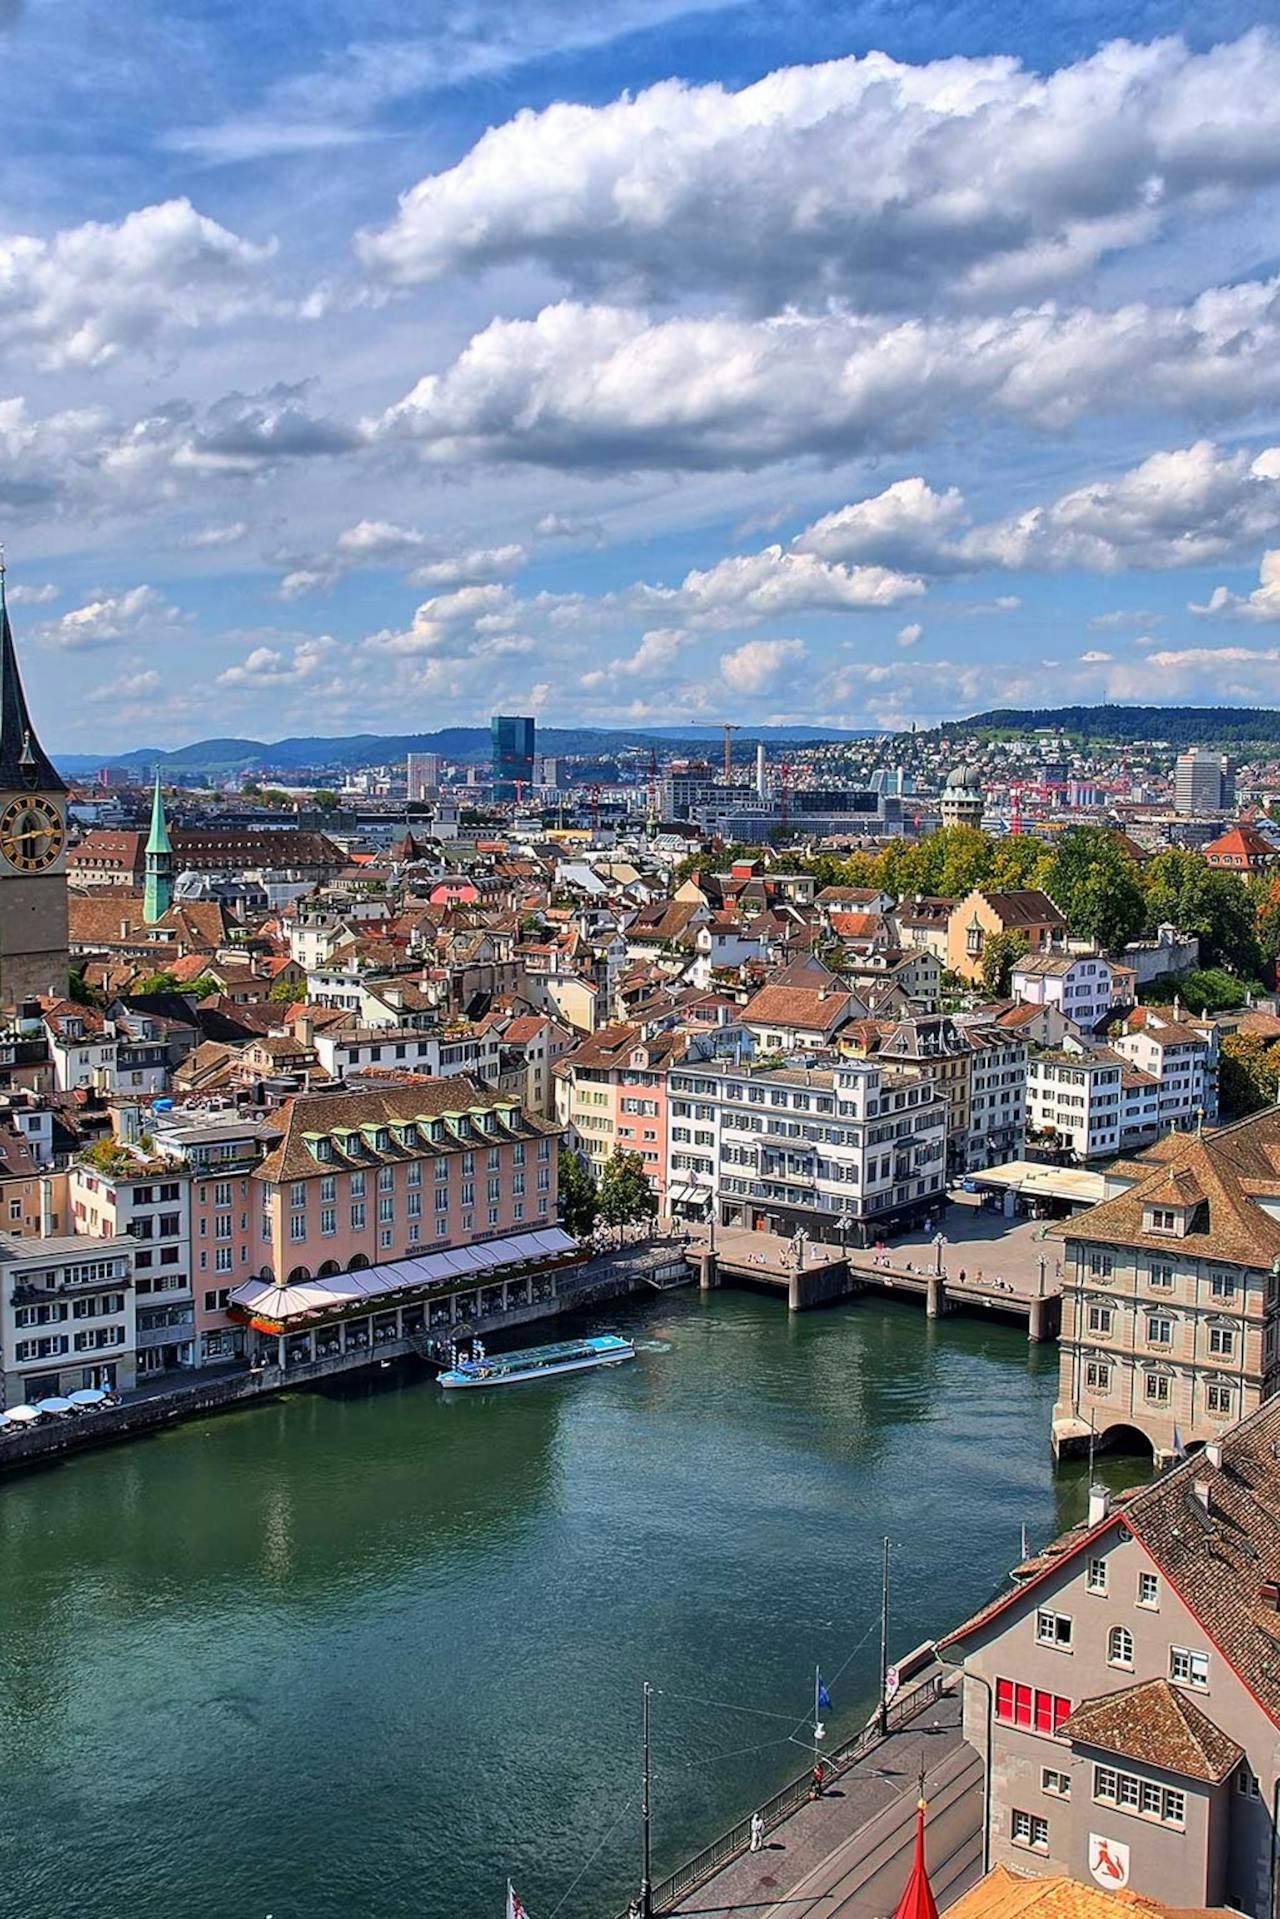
{"x":866,"y":179}
{"x":756,"y":666}
{"x":1095,"y":658}
{"x":471,"y":619}
{"x":655,"y":656}
{"x":1262,"y":604}
{"x":271,"y":666}
{"x":773,"y":582}
{"x":219,"y":534}
{"x":130,"y":687}
{"x":477,"y":564}
{"x":137,"y":613}
{"x":907,"y":636}
{"x":606,"y":387}
{"x":30,"y":595}
{"x":95,"y":291}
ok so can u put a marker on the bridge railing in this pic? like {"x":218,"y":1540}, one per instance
{"x":668,"y":1892}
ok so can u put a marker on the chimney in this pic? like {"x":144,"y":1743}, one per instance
{"x":1213,"y":1454}
{"x":1204,"y":1493}
{"x":1099,"y":1504}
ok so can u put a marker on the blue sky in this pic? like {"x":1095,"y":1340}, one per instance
{"x":384,"y":366}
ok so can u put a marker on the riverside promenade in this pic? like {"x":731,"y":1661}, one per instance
{"x":847,"y":1854}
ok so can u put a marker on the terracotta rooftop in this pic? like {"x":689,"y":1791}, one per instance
{"x":1157,"y":1725}
{"x":1005,"y":1894}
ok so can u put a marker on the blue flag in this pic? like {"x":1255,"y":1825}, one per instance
{"x":824,"y":1697}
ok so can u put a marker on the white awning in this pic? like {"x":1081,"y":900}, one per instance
{"x":303,"y":1298}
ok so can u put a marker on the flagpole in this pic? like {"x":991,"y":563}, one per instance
{"x":883,"y":1713}
{"x":646,"y":1822}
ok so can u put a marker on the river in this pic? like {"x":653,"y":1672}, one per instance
{"x":361,"y":1654}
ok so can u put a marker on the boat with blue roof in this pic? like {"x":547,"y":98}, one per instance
{"x":538,"y":1362}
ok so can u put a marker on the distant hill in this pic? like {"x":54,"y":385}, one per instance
{"x":219,"y":758}
{"x":1180,"y":725}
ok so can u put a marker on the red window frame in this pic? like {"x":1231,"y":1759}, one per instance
{"x":1030,"y":1708}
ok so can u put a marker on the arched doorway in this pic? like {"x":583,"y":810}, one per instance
{"x":299,"y":1275}
{"x":358,"y":1264}
{"x":329,"y":1270}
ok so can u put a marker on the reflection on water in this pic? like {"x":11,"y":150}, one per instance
{"x":367,"y":1652}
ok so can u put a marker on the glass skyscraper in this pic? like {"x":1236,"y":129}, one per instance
{"x":514,"y":743}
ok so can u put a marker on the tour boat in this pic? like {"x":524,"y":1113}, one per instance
{"x":540,"y":1362}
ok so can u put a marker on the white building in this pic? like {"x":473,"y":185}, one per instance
{"x":1074,"y":1095}
{"x":846,"y":1150}
{"x":66,"y":1316}
{"x":1080,"y":985}
{"x":997,"y":1095}
{"x":1181,"y":1058}
{"x":149,"y":1199}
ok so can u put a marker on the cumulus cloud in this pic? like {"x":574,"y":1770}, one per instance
{"x":30,"y":595}
{"x":218,"y":534}
{"x":270,"y":666}
{"x":655,"y":656}
{"x":137,"y":613}
{"x":130,"y":687}
{"x":907,"y":636}
{"x":610,"y":388}
{"x":1095,"y":658}
{"x":95,"y":291}
{"x":469,"y":619}
{"x":757,"y":665}
{"x":1262,"y":604}
{"x":477,"y":563}
{"x":1182,"y":508}
{"x":863,"y":178}
{"x":763,"y":585}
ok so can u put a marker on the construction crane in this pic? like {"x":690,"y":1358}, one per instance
{"x":730,"y":727}
{"x":653,"y":791}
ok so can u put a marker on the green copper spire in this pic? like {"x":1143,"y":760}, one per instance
{"x":159,"y":841}
{"x":157,"y":895}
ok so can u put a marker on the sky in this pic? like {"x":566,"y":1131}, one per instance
{"x":380,"y":367}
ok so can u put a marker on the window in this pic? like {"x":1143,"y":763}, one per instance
{"x":1222,"y":1341}
{"x":298,"y":1193}
{"x":1159,"y":1329}
{"x":1149,"y":1590}
{"x":1189,"y":1668}
{"x":1029,"y":1707}
{"x":298,"y":1226}
{"x":1096,"y":1580}
{"x":328,"y":1190}
{"x":328,"y":1221}
{"x":1120,"y":1646}
{"x":1219,"y":1399}
{"x":1141,"y":1796}
{"x":357,"y":1217}
{"x":1055,"y":1782}
{"x":1163,"y":1219}
{"x":1100,"y":1265}
{"x":222,"y":1259}
{"x":1100,"y":1319}
{"x":1161,"y":1275}
{"x":1222,"y":1285}
{"x":1053,"y":1629}
{"x":1029,"y":1829}
{"x":1156,"y":1388}
{"x":1097,"y":1376}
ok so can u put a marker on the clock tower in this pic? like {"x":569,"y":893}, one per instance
{"x":33,"y":842}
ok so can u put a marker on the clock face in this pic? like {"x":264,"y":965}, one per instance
{"x":31,"y":834}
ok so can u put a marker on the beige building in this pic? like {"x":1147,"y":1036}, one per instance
{"x":1125,"y":1695}
{"x":980,"y":915}
{"x":67,"y":1315}
{"x":1171,"y":1298}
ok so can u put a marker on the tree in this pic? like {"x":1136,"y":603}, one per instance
{"x":1095,"y":886}
{"x":1249,"y":1074}
{"x":1266,"y":921}
{"x":203,"y":988}
{"x":1000,"y":955}
{"x":1205,"y":990}
{"x":79,"y":990}
{"x":325,"y":800}
{"x":1215,"y":906}
{"x":288,"y":992}
{"x":579,"y":1201}
{"x":157,"y":983}
{"x":625,"y":1194}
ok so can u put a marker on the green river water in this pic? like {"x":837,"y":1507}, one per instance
{"x":362,"y":1654}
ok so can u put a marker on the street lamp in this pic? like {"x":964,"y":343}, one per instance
{"x":939,"y":1241}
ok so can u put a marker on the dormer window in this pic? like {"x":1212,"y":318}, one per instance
{"x":382,"y":1140}
{"x":1165,"y":1219}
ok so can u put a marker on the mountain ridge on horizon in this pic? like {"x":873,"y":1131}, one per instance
{"x":1107,"y":723}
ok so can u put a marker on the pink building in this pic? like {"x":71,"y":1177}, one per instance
{"x":612,"y":1091}
{"x":364,"y":1179}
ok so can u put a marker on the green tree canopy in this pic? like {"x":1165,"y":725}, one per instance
{"x":1000,"y":955}
{"x":625,"y":1194}
{"x":579,"y":1200}
{"x":288,"y":992}
{"x":1249,"y":1074}
{"x":1095,"y":885}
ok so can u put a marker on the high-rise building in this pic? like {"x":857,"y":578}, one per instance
{"x":514,"y":742}
{"x":33,"y":841}
{"x":1204,"y":782}
{"x":423,"y":770}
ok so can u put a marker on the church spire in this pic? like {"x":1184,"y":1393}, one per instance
{"x":157,"y":895}
{"x":24,"y":765}
{"x":917,"y":1901}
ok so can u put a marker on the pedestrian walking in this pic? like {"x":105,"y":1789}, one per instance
{"x":757,"y":1831}
{"x":962,"y":1275}
{"x":819,"y":1780}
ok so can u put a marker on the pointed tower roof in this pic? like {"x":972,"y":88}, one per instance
{"x":159,"y":841}
{"x":24,"y":764}
{"x":917,"y":1901}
